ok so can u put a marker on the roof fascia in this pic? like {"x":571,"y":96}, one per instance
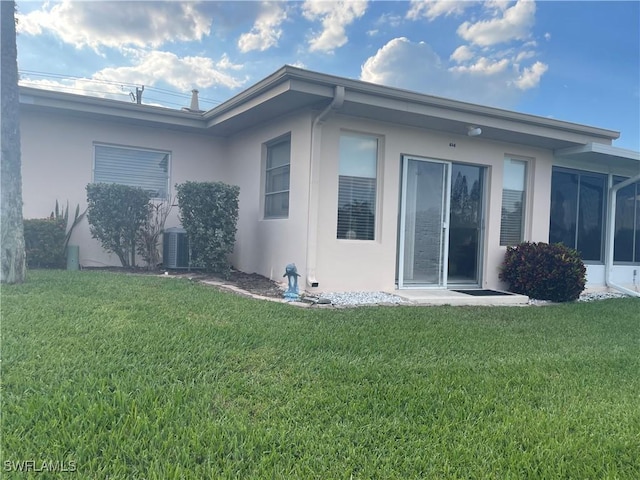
{"x":85,"y":105}
{"x":410,"y":98}
{"x":599,"y":148}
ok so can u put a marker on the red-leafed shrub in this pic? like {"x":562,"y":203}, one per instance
{"x":544,"y":271}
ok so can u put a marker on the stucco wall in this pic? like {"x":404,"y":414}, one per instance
{"x":371,"y":265}
{"x":57,"y":162}
{"x":266,"y":246}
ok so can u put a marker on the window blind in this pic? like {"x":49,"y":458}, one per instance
{"x":148,"y":169}
{"x":512,"y":215}
{"x":356,"y":207}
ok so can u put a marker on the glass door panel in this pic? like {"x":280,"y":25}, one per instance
{"x":465,"y":224}
{"x":423,"y":229}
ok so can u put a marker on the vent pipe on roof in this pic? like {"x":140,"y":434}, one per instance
{"x":195,"y":106}
{"x":194,"y":100}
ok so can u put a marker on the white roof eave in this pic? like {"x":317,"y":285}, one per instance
{"x":598,"y":149}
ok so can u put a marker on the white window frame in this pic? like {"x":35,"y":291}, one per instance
{"x":267,"y":170}
{"x":377,"y":189}
{"x":524,"y":191}
{"x":124,"y":178}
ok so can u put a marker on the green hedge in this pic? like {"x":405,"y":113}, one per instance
{"x":209,"y":214}
{"x":116,"y":213}
{"x":44,"y":240}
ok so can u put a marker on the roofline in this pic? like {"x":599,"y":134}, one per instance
{"x":288,"y":73}
{"x":54,"y":99}
{"x":600,"y":148}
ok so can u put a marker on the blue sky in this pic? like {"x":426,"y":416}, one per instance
{"x":572,"y":61}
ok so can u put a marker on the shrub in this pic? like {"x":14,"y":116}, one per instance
{"x":44,"y":240}
{"x":116,"y":213}
{"x":209,"y":214}
{"x":544,"y":271}
{"x":149,"y":233}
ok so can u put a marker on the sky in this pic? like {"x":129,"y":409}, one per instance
{"x":573,"y":61}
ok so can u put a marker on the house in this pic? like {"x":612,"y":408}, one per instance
{"x":364,"y":187}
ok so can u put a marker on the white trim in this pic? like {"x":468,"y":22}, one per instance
{"x":598,"y":148}
{"x":444,"y":221}
{"x":609,"y":238}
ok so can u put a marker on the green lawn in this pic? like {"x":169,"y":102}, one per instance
{"x":128,"y":377}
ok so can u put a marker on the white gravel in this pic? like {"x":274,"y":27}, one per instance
{"x":362,"y":298}
{"x":590,"y":297}
{"x":377,"y":298}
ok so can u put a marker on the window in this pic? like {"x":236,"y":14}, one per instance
{"x":357,"y":187}
{"x":148,"y":169}
{"x":626,"y":243}
{"x":276,"y":191}
{"x":513,"y":202}
{"x":577,"y":211}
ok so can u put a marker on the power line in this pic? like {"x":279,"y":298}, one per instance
{"x":122,"y":85}
{"x":70,"y":88}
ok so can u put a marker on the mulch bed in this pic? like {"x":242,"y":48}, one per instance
{"x":251,"y":282}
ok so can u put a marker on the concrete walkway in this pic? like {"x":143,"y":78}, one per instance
{"x":450,"y":297}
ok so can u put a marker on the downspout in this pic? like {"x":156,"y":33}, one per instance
{"x":314,"y":198}
{"x":610,"y":237}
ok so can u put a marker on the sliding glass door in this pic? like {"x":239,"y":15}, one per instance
{"x":441,"y":221}
{"x":465,"y":224}
{"x":424,"y":233}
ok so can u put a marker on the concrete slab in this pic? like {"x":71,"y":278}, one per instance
{"x":449,"y":297}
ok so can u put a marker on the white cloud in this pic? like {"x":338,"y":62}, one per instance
{"x":335,"y":17}
{"x":183,"y":73}
{"x":513,"y":23}
{"x":117,"y":24}
{"x":149,"y":68}
{"x":225,"y":64}
{"x":485,"y":79}
{"x":462,"y":54}
{"x":389,"y":20}
{"x":530,"y":77}
{"x":432,"y":9}
{"x":483,"y":66}
{"x":266,"y":30}
{"x":390,"y":64}
{"x":525,"y":54}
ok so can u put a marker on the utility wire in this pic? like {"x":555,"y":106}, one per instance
{"x":123,"y":85}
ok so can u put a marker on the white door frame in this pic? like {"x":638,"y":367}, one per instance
{"x":444,"y":217}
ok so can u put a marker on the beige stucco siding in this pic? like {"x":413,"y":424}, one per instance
{"x":371,"y":265}
{"x":57,"y":164}
{"x":266,"y":246}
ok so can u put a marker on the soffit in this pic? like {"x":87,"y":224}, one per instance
{"x":293,"y":89}
{"x":599,"y":156}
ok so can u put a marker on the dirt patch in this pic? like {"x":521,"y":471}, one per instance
{"x":251,"y":282}
{"x":256,"y":284}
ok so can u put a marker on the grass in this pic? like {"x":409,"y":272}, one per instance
{"x":126,"y":377}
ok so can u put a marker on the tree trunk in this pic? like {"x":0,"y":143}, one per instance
{"x":12,"y":254}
